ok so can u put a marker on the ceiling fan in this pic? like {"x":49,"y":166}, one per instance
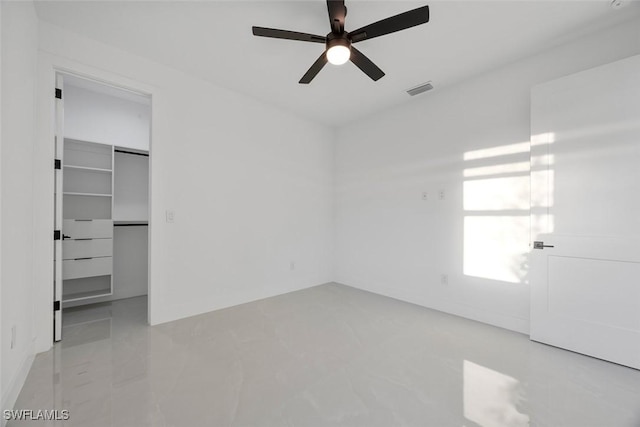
{"x":339,"y":43}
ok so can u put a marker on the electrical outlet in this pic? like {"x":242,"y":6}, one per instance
{"x":425,"y":195}
{"x":13,"y":336}
{"x":441,"y":194}
{"x":170,"y":216}
{"x":444,"y":279}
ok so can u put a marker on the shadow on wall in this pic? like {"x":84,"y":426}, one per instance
{"x":507,"y":191}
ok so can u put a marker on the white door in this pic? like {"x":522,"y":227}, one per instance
{"x":57,"y":280}
{"x":585,"y":182}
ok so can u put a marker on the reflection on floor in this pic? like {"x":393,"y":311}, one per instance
{"x":325,"y":356}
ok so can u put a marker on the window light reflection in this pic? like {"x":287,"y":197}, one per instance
{"x":491,"y":398}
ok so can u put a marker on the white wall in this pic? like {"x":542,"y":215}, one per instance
{"x":19,"y":56}
{"x":104,"y":118}
{"x":472,"y":141}
{"x":251,"y":186}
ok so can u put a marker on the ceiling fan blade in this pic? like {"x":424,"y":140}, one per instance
{"x":315,"y":69}
{"x":365,"y":64}
{"x":391,"y":25}
{"x":288,"y":35}
{"x":337,"y":13}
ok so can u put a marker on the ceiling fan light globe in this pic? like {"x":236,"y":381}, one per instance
{"x":338,"y":55}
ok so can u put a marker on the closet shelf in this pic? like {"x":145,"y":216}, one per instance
{"x":86,"y":168}
{"x":86,"y":295}
{"x":68,"y":193}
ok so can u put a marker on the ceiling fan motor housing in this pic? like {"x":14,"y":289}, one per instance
{"x":342,"y":39}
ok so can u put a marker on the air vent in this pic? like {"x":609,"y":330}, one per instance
{"x":420,"y":88}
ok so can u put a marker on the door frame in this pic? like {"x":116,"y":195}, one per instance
{"x":57,"y":218}
{"x":49,"y":66}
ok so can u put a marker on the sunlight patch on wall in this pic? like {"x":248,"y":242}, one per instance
{"x":491,"y":398}
{"x":495,"y":247}
{"x":497,"y":170}
{"x":543,"y":139}
{"x":496,"y":202}
{"x":497,"y":194}
{"x":501,"y":150}
{"x":542,"y":184}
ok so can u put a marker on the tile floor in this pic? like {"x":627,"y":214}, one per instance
{"x":326,"y":356}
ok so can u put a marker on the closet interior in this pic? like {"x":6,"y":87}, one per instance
{"x":105,"y":192}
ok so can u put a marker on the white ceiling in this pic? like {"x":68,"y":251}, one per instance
{"x":213,"y":40}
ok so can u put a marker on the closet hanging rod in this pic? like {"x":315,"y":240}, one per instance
{"x":131,"y":152}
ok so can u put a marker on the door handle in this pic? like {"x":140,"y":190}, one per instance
{"x":65,"y":237}
{"x":541,"y":245}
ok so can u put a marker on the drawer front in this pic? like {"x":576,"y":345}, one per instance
{"x":95,"y":228}
{"x":91,"y":248}
{"x":74,"y":269}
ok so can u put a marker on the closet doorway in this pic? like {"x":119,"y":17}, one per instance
{"x":101,"y":240}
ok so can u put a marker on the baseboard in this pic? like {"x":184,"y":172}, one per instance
{"x":481,"y":315}
{"x":190,"y":310}
{"x":465,"y":311}
{"x":11,"y":395}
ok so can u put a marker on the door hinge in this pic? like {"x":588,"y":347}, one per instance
{"x":56,"y":234}
{"x":56,"y":306}
{"x":58,"y":93}
{"x":541,"y":245}
{"x":57,"y":164}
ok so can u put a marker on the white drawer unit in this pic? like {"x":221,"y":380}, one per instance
{"x":87,"y":267}
{"x":87,"y":229}
{"x":87,"y":248}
